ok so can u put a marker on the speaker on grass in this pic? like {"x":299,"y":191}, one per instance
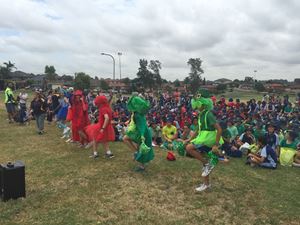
{"x":12,"y":180}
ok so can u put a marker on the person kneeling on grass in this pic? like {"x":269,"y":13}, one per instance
{"x":266,"y":157}
{"x":208,"y":137}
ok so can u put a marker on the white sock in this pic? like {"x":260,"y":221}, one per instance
{"x":108,"y":152}
{"x":95,"y":153}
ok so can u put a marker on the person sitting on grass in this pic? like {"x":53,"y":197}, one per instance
{"x":287,"y":149}
{"x":170,"y":134}
{"x":266,"y":156}
{"x":271,"y":137}
{"x":156,"y":134}
{"x":296,"y":162}
{"x":232,"y":130}
{"x":229,"y":146}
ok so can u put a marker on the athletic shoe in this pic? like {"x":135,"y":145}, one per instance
{"x":109,"y":156}
{"x":69,"y":140}
{"x":66,"y":130}
{"x":208,"y":167}
{"x":89,"y":145}
{"x":296,"y":164}
{"x":139,"y":169}
{"x":94,"y":156}
{"x":203,"y":187}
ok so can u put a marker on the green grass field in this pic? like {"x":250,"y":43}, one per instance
{"x":64,"y":186}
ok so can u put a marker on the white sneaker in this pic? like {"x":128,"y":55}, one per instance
{"x":203,"y":187}
{"x":90,"y":144}
{"x":66,"y":130}
{"x":207,"y":169}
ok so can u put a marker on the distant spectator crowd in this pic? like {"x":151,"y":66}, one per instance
{"x":266,"y":130}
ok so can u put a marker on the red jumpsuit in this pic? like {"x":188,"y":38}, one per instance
{"x":93,"y":130}
{"x":79,"y":117}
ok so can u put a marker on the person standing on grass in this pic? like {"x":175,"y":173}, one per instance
{"x":10,"y":102}
{"x":138,"y":133}
{"x":207,"y":138}
{"x":79,"y":118}
{"x":103,"y":131}
{"x":23,"y":109}
{"x":38,"y":107}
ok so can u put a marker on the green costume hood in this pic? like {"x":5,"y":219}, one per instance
{"x":138,"y":104}
{"x":202,"y":98}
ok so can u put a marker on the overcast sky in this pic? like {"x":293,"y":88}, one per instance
{"x":233,"y":37}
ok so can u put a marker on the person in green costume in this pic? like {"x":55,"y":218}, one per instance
{"x":208,"y":137}
{"x":138,"y":136}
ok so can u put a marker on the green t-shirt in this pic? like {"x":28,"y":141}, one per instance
{"x":156,"y":132}
{"x":194,"y":127}
{"x":241,"y":129}
{"x":288,"y":109}
{"x":292,"y":145}
{"x":233,"y":131}
{"x":209,"y":123}
{"x":259,"y":133}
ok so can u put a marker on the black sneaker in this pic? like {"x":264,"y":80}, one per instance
{"x":109,"y":156}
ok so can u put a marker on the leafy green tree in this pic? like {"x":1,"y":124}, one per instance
{"x":177,"y":83}
{"x":258,"y":86}
{"x":50,"y":72}
{"x":155,"y":67}
{"x":195,"y":74}
{"x":144,"y":75}
{"x":6,"y":70}
{"x":221,"y":88}
{"x":104,"y":85}
{"x":82,"y":81}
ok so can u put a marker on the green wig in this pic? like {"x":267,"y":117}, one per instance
{"x":138,"y":104}
{"x":202,"y":98}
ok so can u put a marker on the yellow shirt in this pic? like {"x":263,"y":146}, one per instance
{"x":169,"y":132}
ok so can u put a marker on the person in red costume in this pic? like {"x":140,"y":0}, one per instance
{"x":103,"y":131}
{"x":79,"y":118}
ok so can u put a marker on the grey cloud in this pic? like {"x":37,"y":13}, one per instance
{"x":231,"y":37}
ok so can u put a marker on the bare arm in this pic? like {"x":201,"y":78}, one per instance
{"x":106,"y":121}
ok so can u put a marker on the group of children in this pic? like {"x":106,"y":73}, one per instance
{"x":198,"y":126}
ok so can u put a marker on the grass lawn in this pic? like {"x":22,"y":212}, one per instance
{"x":64,"y":186}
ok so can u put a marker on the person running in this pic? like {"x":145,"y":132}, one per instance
{"x":138,"y":136}
{"x":10,"y":102}
{"x":102,"y":131}
{"x":207,"y":138}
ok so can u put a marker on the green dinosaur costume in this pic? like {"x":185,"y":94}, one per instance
{"x":207,"y":132}
{"x":138,"y":130}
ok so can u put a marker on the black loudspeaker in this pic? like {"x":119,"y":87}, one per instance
{"x":12,"y":180}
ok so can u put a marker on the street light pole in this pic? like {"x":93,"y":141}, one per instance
{"x":119,"y":54}
{"x":114,"y":63}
